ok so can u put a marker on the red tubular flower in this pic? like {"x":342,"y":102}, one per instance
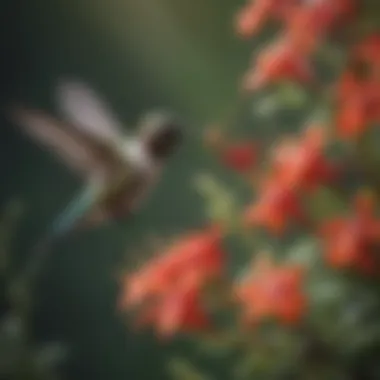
{"x":358,"y":108}
{"x":275,"y":207}
{"x":240,"y":157}
{"x":278,"y":62}
{"x":182,"y":271}
{"x":358,"y":96}
{"x":309,"y":23}
{"x":256,"y":13}
{"x":349,"y":241}
{"x":179,"y":310}
{"x":273,"y":291}
{"x":368,"y":50}
{"x":347,"y":85}
{"x":300,"y":163}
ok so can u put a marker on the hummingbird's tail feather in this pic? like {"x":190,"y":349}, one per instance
{"x":62,"y":227}
{"x":75,"y":211}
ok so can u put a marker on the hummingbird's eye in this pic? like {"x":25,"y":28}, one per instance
{"x":167,"y":137}
{"x":171,"y":133}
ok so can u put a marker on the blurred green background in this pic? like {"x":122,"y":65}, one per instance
{"x":176,"y":54}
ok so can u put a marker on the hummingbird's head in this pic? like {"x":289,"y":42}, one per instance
{"x":161,"y":134}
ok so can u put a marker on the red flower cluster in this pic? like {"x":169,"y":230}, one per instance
{"x":300,"y":163}
{"x":255,"y":14}
{"x":352,"y":241}
{"x":240,"y":156}
{"x":298,"y":167}
{"x":278,"y":62}
{"x":272,"y":291}
{"x":306,"y":24}
{"x":275,"y":206}
{"x":167,"y":289}
{"x":358,"y":93}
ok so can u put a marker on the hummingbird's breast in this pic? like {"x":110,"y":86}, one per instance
{"x":138,"y":157}
{"x":131,"y":180}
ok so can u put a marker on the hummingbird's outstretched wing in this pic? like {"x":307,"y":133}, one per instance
{"x":72,"y":148}
{"x":85,"y":110}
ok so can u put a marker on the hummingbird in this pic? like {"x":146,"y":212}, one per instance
{"x":117,"y":169}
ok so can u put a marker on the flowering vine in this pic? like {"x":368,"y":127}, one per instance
{"x":320,"y":235}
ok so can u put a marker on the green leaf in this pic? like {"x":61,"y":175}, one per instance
{"x":12,"y":342}
{"x":254,"y":363}
{"x":222,"y":343}
{"x":49,"y":356}
{"x":320,"y":115}
{"x":305,"y":253}
{"x":361,"y":338}
{"x":266,"y":106}
{"x":20,"y":296}
{"x":325,"y":204}
{"x":183,"y":370}
{"x":332,"y":55}
{"x":291,"y":95}
{"x":12,"y":331}
{"x":220,"y":203}
{"x":327,"y":291}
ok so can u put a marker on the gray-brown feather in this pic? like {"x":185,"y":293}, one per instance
{"x":79,"y":150}
{"x":117,"y":202}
